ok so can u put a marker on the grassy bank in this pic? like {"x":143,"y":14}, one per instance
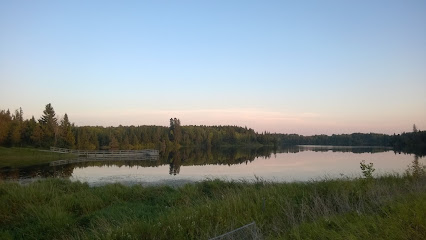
{"x":19,"y":157}
{"x":389,"y":207}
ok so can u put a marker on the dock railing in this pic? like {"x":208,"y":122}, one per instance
{"x":102,"y":155}
{"x":105,"y":152}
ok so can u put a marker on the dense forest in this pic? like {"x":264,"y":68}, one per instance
{"x":411,"y":142}
{"x":50,"y":130}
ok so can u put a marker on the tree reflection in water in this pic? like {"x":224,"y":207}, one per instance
{"x":177,"y":158}
{"x":416,"y":168}
{"x":223,"y":156}
{"x":175,"y":162}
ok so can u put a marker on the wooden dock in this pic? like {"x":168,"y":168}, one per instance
{"x":99,"y":155}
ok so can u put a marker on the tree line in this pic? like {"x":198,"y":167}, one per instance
{"x":50,"y":130}
{"x":410,"y":142}
{"x":44,"y":132}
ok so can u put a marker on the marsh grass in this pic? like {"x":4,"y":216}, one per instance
{"x":403,"y":218}
{"x":19,"y":157}
{"x":339,"y":209}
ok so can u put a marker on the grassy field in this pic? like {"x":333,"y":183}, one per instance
{"x":390,"y":207}
{"x":19,"y":157}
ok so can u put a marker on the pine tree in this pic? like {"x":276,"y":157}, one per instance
{"x":29,"y":127}
{"x":171,"y":130}
{"x":66,"y":137}
{"x":175,"y":131}
{"x":37,"y":136}
{"x":5,"y":122}
{"x":14,"y":136}
{"x":16,"y":130}
{"x":178,"y":131}
{"x":415,"y":128}
{"x":49,"y":124}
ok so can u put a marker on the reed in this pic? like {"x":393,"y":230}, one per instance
{"x":383,"y":207}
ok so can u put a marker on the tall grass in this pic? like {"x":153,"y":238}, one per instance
{"x":342,"y":209}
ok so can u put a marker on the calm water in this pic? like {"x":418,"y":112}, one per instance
{"x":300,"y":163}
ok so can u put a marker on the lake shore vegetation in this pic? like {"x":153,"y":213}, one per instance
{"x":387,"y":207}
{"x":51,"y":130}
{"x":18,"y":157}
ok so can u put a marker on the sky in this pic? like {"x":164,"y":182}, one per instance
{"x":305,"y":67}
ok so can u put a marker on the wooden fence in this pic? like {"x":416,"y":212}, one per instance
{"x":99,"y":155}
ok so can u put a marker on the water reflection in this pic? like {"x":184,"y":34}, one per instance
{"x":286,"y":163}
{"x":321,"y":148}
{"x":225,"y":156}
{"x":416,"y":168}
{"x":37,"y":171}
{"x":175,"y":162}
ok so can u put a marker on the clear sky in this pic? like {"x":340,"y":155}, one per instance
{"x":306,"y":67}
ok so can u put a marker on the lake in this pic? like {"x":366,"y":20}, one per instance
{"x":297,"y":163}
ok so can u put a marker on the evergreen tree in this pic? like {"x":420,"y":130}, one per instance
{"x":171,"y":130}
{"x":49,"y":125}
{"x":5,"y":122}
{"x":16,"y":130}
{"x":14,"y":136}
{"x":83,"y":139}
{"x":19,"y":115}
{"x":66,"y":137}
{"x":37,"y":136}
{"x":414,"y":128}
{"x":175,"y":131}
{"x":28,"y":130}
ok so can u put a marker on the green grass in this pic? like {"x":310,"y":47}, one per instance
{"x":391,"y":207}
{"x":403,"y":218}
{"x":20,"y":157}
